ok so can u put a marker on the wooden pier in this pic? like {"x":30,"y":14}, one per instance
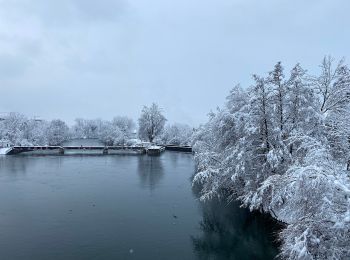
{"x":155,"y":150}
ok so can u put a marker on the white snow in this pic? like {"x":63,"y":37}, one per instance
{"x":155,"y":147}
{"x":282,"y":146}
{"x":4,"y":151}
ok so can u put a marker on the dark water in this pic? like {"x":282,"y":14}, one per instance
{"x":119,"y":207}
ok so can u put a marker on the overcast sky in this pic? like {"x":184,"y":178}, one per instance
{"x":101,"y":58}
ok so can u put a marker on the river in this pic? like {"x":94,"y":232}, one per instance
{"x":119,"y":207}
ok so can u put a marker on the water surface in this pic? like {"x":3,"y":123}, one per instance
{"x":119,"y":207}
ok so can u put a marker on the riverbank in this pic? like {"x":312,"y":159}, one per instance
{"x":4,"y":151}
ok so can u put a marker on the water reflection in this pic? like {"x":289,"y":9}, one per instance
{"x":150,"y":170}
{"x":230,"y":232}
{"x":83,"y":207}
{"x":18,"y":165}
{"x":13,"y":167}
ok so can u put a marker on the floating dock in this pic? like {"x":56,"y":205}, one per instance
{"x":155,"y":150}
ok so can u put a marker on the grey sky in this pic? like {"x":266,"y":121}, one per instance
{"x":96,"y":59}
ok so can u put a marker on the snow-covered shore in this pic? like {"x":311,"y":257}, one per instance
{"x":4,"y":151}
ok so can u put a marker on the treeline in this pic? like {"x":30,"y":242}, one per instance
{"x":118,"y":131}
{"x":281,"y":146}
{"x":17,"y":129}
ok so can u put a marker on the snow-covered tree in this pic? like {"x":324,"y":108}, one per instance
{"x":17,"y":129}
{"x":151,"y":122}
{"x":276,"y":80}
{"x":333,"y":89}
{"x":177,"y":134}
{"x":12,"y":129}
{"x":282,"y":147}
{"x":115,"y":132}
{"x":36,"y":132}
{"x":126,"y":126}
{"x":86,"y":128}
{"x":57,"y":132}
{"x":110,"y":134}
{"x":332,"y":85}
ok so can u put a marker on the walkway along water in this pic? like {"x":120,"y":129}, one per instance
{"x":151,"y":150}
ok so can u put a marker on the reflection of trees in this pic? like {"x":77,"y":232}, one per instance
{"x":174,"y":157}
{"x":13,"y":165}
{"x":18,"y":165}
{"x":179,"y":158}
{"x":230,"y":232}
{"x":150,"y":169}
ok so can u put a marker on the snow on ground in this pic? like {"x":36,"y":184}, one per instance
{"x":154,"y":147}
{"x":4,"y":151}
